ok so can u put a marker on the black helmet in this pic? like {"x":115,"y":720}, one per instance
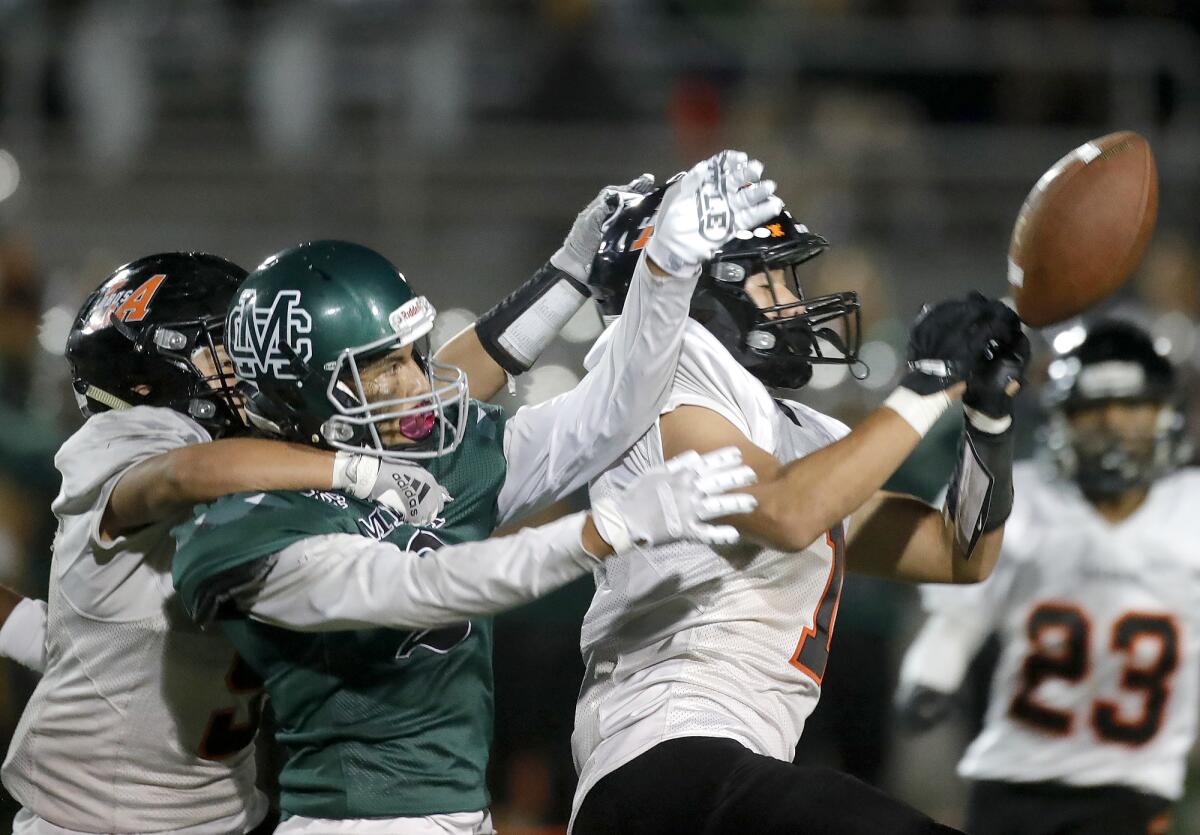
{"x":622,"y":240}
{"x":141,"y":329}
{"x":1116,"y":361}
{"x":779,"y":350}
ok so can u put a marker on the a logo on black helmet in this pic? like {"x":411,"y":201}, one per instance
{"x":265,"y":340}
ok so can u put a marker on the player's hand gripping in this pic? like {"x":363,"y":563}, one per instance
{"x":575,"y":255}
{"x":674,"y":502}
{"x":408,"y":489}
{"x":711,"y":202}
{"x":988,"y":399}
{"x":951,"y":340}
{"x":949,"y":343}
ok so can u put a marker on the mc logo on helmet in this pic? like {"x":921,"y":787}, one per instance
{"x":255,"y":336}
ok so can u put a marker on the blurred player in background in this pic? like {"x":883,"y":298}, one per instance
{"x":379,"y":666}
{"x":1097,"y":606}
{"x":702,"y":663}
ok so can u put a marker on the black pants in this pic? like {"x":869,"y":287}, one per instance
{"x":998,"y":808}
{"x":709,"y":786}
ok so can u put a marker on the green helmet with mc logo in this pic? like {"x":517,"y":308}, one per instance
{"x":302,"y":326}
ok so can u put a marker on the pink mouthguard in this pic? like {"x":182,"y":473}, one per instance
{"x":419,"y":426}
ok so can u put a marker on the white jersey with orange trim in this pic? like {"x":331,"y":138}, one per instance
{"x":141,"y":722}
{"x":1097,"y":681}
{"x":688,"y":640}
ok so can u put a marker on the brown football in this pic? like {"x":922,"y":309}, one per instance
{"x":1083,"y":228}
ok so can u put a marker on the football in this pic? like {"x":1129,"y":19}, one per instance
{"x":1083,"y":228}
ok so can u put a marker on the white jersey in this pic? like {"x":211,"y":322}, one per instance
{"x":688,"y":640}
{"x":1100,"y":629}
{"x":140,"y":723}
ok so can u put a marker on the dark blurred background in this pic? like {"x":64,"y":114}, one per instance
{"x":459,"y":137}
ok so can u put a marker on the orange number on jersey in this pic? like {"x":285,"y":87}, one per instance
{"x":812,"y":652}
{"x":643,"y":238}
{"x":225,"y":736}
{"x":134,"y":308}
{"x":1070,"y":661}
{"x":1153,"y":680}
{"x":1067,"y":659}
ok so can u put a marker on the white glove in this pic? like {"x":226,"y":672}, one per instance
{"x":575,"y":255}
{"x":701,"y":212}
{"x":672,"y":502}
{"x":408,"y":489}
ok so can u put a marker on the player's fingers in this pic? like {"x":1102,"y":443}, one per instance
{"x":752,"y":195}
{"x":716,"y":534}
{"x":730,"y":159}
{"x":757,"y":215}
{"x":722,"y":481}
{"x":643,"y":184}
{"x":689,"y":460}
{"x":741,"y":176}
{"x":726,"y":504}
{"x":726,"y":456}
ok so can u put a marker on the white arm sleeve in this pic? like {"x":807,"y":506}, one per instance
{"x":558,"y":446}
{"x":23,"y":635}
{"x":941,"y":653}
{"x":343,"y":581}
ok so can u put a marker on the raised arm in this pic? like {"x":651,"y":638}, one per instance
{"x":555,"y":447}
{"x":508,"y":339}
{"x":799,"y":501}
{"x":902,"y":537}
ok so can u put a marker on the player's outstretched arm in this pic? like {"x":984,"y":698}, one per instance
{"x":510,"y":337}
{"x":169,"y":483}
{"x":343,"y":581}
{"x":23,"y":629}
{"x":800,"y":501}
{"x":556,"y":447}
{"x":901,"y":537}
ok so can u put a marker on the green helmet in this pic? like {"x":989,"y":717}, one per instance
{"x":301,"y":327}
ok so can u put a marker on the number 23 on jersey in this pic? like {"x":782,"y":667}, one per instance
{"x":1059,"y":636}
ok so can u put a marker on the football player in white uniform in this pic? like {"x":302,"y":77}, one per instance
{"x":1097,"y":606}
{"x":702,"y":663}
{"x":143,"y":723}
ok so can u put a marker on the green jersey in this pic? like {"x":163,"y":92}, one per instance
{"x":376,"y":722}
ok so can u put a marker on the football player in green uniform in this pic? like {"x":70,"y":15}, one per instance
{"x":367,"y":622}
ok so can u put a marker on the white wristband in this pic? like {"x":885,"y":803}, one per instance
{"x":986,"y":424}
{"x":355,"y":473}
{"x":23,"y":636}
{"x":920,"y":411}
{"x":531,"y":332}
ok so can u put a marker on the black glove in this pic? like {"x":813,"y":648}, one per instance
{"x":923,"y":707}
{"x":951,"y":340}
{"x":987,"y":389}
